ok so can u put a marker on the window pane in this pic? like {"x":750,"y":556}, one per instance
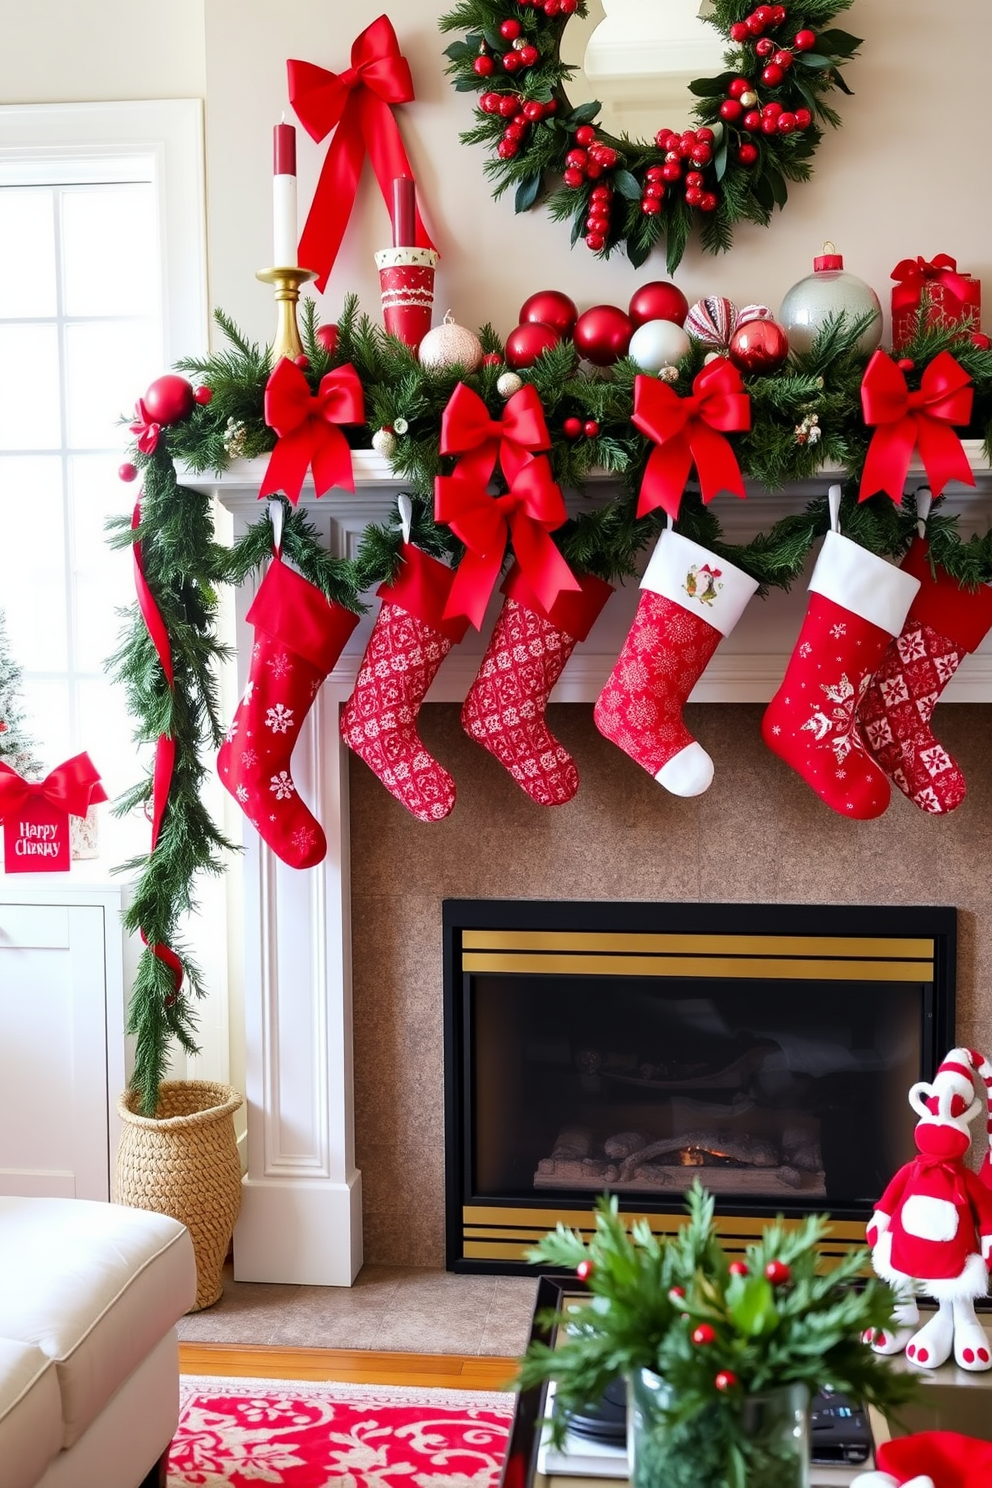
{"x":110,"y":250}
{"x":27,"y":254}
{"x":29,"y":387}
{"x":108,"y":367}
{"x":46,"y":702}
{"x":32,"y":573}
{"x":103,"y":577}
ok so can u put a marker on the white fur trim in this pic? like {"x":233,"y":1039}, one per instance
{"x":675,"y":558}
{"x":929,"y":1218}
{"x":687,"y":773}
{"x":875,"y":1480}
{"x":863,"y":583}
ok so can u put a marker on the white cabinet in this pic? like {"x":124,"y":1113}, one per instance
{"x":61,"y":1033}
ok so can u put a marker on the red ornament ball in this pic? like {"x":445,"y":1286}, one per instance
{"x":492,"y":359}
{"x":169,"y":399}
{"x":738,"y":1268}
{"x":602,"y":334}
{"x":572,"y":427}
{"x":590,"y":428}
{"x":778,"y":1273}
{"x":584,"y":1270}
{"x":759,"y":347}
{"x":703,"y":1335}
{"x":550,"y":307}
{"x":327,"y":337}
{"x":525,"y":343}
{"x":726,"y":1380}
{"x":126,"y":472}
{"x":658,"y":300}
{"x":302,"y":360}
{"x":203,"y":395}
{"x":979,"y":339}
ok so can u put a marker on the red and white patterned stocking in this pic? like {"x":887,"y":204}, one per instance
{"x":506,"y":705}
{"x":858,"y":602}
{"x":299,"y":636}
{"x":408,"y":643}
{"x":944,"y":624}
{"x":690,"y":600}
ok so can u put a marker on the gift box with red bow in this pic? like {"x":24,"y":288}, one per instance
{"x":946,"y":297}
{"x":35,"y":814}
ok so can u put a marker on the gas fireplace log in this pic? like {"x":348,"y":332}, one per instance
{"x":624,"y":1143}
{"x":573,"y":1143}
{"x":753,"y":1152}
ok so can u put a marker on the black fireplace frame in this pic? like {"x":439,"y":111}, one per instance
{"x":937,"y":1033}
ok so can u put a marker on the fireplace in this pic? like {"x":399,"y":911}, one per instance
{"x":766,"y":1049}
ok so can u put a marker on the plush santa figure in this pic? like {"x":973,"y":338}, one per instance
{"x":930,"y":1459}
{"x":931,"y":1231}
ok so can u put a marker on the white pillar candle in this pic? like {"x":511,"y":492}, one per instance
{"x":284,"y":229}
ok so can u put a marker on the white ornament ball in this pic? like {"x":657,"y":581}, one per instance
{"x":713,"y":320}
{"x":508,"y":383}
{"x":830,"y":291}
{"x":450,"y":345}
{"x":657,"y":344}
{"x":712,"y":356}
{"x":384,"y":443}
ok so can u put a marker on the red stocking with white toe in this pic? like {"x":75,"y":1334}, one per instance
{"x":299,"y":636}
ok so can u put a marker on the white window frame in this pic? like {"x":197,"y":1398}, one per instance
{"x":171,"y":132}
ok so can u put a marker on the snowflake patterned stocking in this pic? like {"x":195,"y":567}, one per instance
{"x":858,"y":603}
{"x":410,"y":640}
{"x":689,"y":601}
{"x":527,"y":652}
{"x":299,"y":636}
{"x":944,"y":624}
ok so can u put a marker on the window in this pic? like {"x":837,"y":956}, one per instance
{"x":101,"y":289}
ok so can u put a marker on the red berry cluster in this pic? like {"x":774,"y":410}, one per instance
{"x":587,"y":161}
{"x":758,"y":22}
{"x":519,"y":113}
{"x":740,"y":107}
{"x":551,"y":8}
{"x":521,"y":55}
{"x":574,"y":428}
{"x":686,"y":157}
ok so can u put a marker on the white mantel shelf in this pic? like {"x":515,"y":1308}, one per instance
{"x":301,"y":1220}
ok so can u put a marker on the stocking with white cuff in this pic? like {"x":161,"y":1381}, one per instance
{"x":690,"y":600}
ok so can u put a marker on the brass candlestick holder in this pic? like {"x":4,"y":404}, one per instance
{"x":287,"y":283}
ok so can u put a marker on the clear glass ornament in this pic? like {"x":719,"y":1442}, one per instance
{"x":829,"y":290}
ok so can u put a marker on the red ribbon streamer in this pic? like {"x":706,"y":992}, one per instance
{"x":911,"y":274}
{"x":691,"y":430}
{"x":357,"y":104}
{"x":145,"y":428}
{"x":73,"y":787}
{"x":532,"y":509}
{"x":468,"y":431}
{"x":307,"y":427}
{"x":905,"y":420}
{"x":165,"y":749}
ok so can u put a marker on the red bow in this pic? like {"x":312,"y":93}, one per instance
{"x":146,"y":429}
{"x":687,"y":430}
{"x":307,"y":427}
{"x":73,"y":787}
{"x":906,"y":420}
{"x":358,"y":102}
{"x":533,"y":508}
{"x":910,"y":274}
{"x":467,"y":430}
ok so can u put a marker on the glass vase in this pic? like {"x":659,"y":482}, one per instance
{"x":740,"y":1441}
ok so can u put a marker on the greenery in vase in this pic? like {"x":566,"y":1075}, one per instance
{"x":718,"y":1330}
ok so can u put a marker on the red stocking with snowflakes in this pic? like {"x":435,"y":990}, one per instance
{"x":858,"y":602}
{"x":410,"y":640}
{"x":505,"y":708}
{"x":945,"y":623}
{"x":299,"y":636}
{"x":690,"y":600}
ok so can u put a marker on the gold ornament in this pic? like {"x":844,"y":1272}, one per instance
{"x":450,"y":345}
{"x":508,"y":383}
{"x":384,"y":443}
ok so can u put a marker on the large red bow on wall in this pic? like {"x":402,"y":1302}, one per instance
{"x":357,"y":103}
{"x":468,"y":431}
{"x":73,"y":787}
{"x":533,"y":508}
{"x":688,"y":430}
{"x":307,"y":425}
{"x":906,"y":420}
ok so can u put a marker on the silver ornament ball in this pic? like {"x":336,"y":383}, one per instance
{"x":508,"y":383}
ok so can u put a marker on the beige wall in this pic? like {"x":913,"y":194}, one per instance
{"x":758,"y":835}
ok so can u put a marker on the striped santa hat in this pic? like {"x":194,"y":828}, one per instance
{"x":961,"y":1086}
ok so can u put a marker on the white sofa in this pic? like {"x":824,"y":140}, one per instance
{"x":90,"y":1295}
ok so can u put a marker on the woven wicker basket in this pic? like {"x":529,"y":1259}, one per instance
{"x":184,"y":1162}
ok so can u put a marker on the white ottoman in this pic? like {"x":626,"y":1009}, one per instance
{"x":98,"y":1289}
{"x":30,"y":1414}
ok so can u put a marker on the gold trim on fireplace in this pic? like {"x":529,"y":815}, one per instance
{"x":784,"y":968}
{"x":736,"y":945}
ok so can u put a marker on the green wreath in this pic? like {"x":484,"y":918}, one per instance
{"x":759,"y":123}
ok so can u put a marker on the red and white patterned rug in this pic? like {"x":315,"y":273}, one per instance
{"x":244,"y":1433}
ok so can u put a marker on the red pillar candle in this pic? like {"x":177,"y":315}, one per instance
{"x":284,"y":228}
{"x":404,"y":212}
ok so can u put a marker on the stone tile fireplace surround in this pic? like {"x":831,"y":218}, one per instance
{"x":342,"y":975}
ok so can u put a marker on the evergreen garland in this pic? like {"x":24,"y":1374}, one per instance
{"x":184,"y":564}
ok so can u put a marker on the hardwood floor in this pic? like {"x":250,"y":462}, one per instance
{"x":352,"y":1366}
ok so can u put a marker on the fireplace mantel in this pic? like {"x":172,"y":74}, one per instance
{"x":301,"y":1221}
